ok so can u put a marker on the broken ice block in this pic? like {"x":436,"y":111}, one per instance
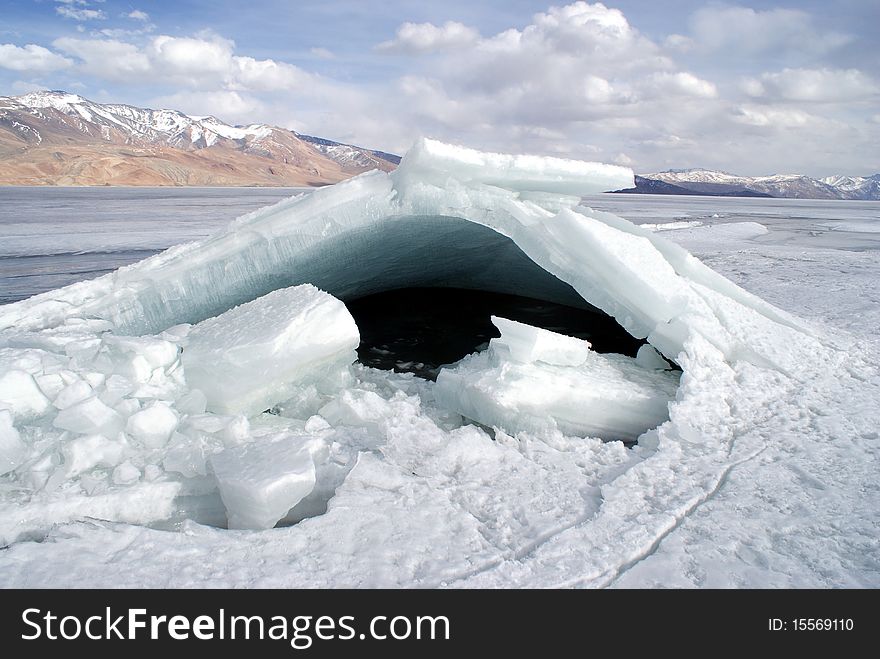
{"x":250,"y":357}
{"x":90,"y":416}
{"x":260,"y":483}
{"x":20,"y":395}
{"x":83,"y":453}
{"x":526,"y":344}
{"x":153,"y":425}
{"x":606,"y":395}
{"x":12,"y":449}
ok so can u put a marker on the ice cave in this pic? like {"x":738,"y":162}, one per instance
{"x":220,"y":381}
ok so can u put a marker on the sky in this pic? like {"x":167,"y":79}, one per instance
{"x":755,"y":88}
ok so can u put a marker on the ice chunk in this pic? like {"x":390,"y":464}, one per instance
{"x":526,"y":344}
{"x":83,"y":453}
{"x":126,"y":474}
{"x":157,"y":352}
{"x":20,"y":395}
{"x":436,"y":162}
{"x":648,"y":357}
{"x":152,"y":426}
{"x":12,"y":450}
{"x":90,"y":416}
{"x":192,"y":402}
{"x":72,"y":394}
{"x":607,"y":395}
{"x":260,"y":483}
{"x":249,"y":358}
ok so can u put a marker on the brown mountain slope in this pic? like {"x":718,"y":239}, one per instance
{"x":55,"y":138}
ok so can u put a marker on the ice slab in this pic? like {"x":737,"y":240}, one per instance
{"x":260,"y":483}
{"x":432,"y":161}
{"x":90,"y":416}
{"x":525,"y":343}
{"x":12,"y":450}
{"x":20,"y":395}
{"x":249,"y":358}
{"x":153,"y":425}
{"x":601,"y":395}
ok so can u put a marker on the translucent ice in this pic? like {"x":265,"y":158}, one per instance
{"x":12,"y":449}
{"x":249,"y":358}
{"x":20,"y":395}
{"x":526,"y":344}
{"x":153,"y":425}
{"x":597,"y":395}
{"x":260,"y":483}
{"x":90,"y":416}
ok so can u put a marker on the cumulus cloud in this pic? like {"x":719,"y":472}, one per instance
{"x":221,"y":103}
{"x":417,"y":38}
{"x":138,"y":15}
{"x":813,"y":85}
{"x":106,"y":58}
{"x":570,"y":69}
{"x":742,"y":29}
{"x":206,"y":61}
{"x":31,"y":58}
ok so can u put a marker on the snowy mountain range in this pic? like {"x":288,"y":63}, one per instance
{"x":58,"y":138}
{"x":796,"y":186}
{"x":64,"y":139}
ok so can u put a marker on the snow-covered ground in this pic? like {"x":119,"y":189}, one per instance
{"x":765,"y":473}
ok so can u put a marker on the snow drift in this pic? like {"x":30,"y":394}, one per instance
{"x":137,"y":397}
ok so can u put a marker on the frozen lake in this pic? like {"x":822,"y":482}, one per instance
{"x":764,"y":475}
{"x":51,"y":237}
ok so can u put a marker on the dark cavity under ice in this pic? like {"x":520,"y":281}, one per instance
{"x":419,"y":330}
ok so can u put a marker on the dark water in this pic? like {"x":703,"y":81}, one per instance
{"x":418,"y":330}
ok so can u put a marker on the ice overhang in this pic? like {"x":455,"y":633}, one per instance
{"x":447,"y":216}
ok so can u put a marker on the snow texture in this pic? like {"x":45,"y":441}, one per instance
{"x":761,"y":470}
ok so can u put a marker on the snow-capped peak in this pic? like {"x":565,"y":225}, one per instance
{"x":776,"y":185}
{"x":142,"y":124}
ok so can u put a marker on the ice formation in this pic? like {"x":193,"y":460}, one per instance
{"x":138,"y":397}
{"x":535,"y":380}
{"x":253,"y":356}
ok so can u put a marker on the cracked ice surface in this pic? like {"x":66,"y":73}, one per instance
{"x":764,"y":474}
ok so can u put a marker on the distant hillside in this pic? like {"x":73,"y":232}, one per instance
{"x":56,"y":138}
{"x":794,"y":186}
{"x":653,"y":186}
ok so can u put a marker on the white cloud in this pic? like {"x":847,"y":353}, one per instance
{"x":742,"y":29}
{"x":106,"y":58}
{"x":817,"y":85}
{"x":31,"y":58}
{"x":138,"y":15}
{"x":205,"y":62}
{"x":80,"y":14}
{"x":772,"y":117}
{"x":426,"y":37}
{"x":226,"y":105}
{"x":681,"y":83}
